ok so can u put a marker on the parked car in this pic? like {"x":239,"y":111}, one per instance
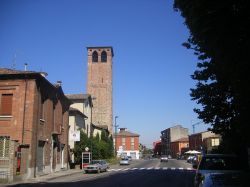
{"x":164,"y":158}
{"x":130,"y":158}
{"x":96,"y":166}
{"x":190,"y":158}
{"x":124,"y":161}
{"x":218,"y":169}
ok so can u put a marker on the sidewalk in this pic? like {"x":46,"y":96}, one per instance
{"x":46,"y":177}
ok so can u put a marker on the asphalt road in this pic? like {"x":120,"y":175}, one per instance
{"x":140,"y":173}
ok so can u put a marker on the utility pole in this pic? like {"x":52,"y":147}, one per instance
{"x":116,"y":135}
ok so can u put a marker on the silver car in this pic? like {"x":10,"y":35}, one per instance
{"x":164,"y":158}
{"x":217,"y":169}
{"x":96,"y":166}
{"x":124,"y":161}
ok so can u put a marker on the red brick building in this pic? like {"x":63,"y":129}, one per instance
{"x":157,"y":147}
{"x":33,"y":115}
{"x":127,"y":143}
{"x":99,"y":85}
{"x":178,"y":145}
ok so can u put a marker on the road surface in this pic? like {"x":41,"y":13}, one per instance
{"x":141,"y":173}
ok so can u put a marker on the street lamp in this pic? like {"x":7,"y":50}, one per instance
{"x":116,"y":134}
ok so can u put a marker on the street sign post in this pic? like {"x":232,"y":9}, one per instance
{"x":86,"y":158}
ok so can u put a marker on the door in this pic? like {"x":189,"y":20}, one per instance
{"x":40,"y":156}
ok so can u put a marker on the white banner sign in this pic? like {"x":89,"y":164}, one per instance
{"x":74,"y":136}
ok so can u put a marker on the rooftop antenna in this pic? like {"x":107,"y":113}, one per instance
{"x":13,"y":66}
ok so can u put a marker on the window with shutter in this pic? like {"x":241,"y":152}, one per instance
{"x":6,"y":105}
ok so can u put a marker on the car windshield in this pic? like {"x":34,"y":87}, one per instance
{"x":95,"y":162}
{"x":219,"y":163}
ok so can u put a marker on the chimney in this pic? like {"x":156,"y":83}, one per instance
{"x":122,"y":129}
{"x":25,"y":66}
{"x":59,"y":83}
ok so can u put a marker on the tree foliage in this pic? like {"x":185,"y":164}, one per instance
{"x":102,"y":147}
{"x":219,"y":36}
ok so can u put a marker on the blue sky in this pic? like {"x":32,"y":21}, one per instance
{"x":151,"y":69}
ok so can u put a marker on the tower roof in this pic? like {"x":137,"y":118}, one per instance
{"x":103,"y":47}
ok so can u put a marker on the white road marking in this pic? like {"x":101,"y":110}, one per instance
{"x":150,"y":168}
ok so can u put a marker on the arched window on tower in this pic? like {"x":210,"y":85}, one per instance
{"x":104,"y":56}
{"x":94,"y":56}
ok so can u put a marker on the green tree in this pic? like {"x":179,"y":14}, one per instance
{"x":219,"y":36}
{"x":80,"y":146}
{"x":101,"y":146}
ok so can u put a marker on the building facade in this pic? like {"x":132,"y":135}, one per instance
{"x":83,"y":103}
{"x":127,"y":143}
{"x":33,"y":124}
{"x":178,"y":145}
{"x":76,"y":123}
{"x":157,"y":148}
{"x":99,"y":85}
{"x":204,"y":141}
{"x":170,"y":135}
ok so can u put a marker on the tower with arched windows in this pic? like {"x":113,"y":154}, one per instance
{"x":99,"y":85}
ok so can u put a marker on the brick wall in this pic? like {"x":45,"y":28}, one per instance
{"x":27,"y":126}
{"x":99,"y":85}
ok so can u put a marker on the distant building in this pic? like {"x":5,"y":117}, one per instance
{"x":76,"y":123}
{"x":82,"y":103}
{"x":127,"y":143}
{"x":178,"y":145}
{"x":204,"y":141}
{"x":99,"y":85}
{"x":170,"y":135}
{"x":33,"y":125}
{"x":157,"y":147}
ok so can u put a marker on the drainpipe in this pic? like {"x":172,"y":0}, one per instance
{"x":24,"y":110}
{"x":36,"y":132}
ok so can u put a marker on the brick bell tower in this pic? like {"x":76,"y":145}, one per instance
{"x":99,"y":85}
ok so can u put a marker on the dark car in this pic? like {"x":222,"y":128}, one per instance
{"x":218,"y":169}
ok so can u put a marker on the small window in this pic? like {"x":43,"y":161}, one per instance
{"x":94,"y":56}
{"x":104,"y":56}
{"x":6,"y":105}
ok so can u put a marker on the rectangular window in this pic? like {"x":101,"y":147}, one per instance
{"x":132,"y":139}
{"x":6,"y":104}
{"x":4,"y":147}
{"x":215,"y":142}
{"x":124,"y":143}
{"x":132,"y":143}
